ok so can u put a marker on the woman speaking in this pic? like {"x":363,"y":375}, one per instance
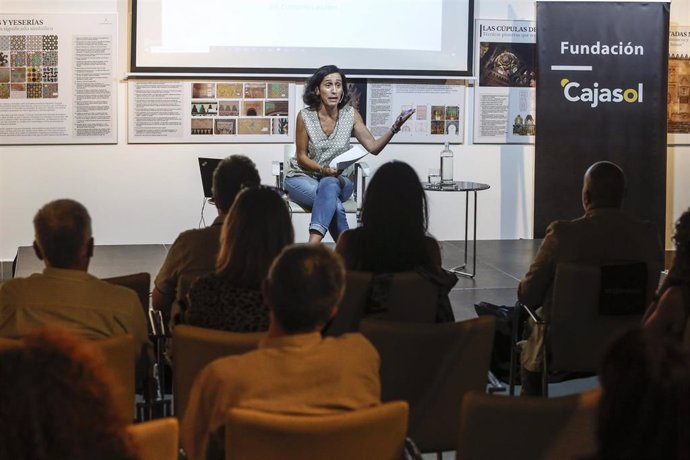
{"x":324,"y":129}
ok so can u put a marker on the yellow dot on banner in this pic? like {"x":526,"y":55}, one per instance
{"x":564,"y":82}
{"x":630,"y":95}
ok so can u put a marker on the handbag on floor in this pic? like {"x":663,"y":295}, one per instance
{"x":500,"y":356}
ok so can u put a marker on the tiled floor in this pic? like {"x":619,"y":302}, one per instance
{"x":500,"y":266}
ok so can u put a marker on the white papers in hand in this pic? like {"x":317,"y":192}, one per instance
{"x":344,"y":160}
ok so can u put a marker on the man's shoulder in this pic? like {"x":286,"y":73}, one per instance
{"x":607,"y":217}
{"x":87,"y":287}
{"x":353,"y":341}
{"x":112,"y":289}
{"x":196,"y":235}
{"x":14,"y":285}
{"x":222,"y":371}
{"x":113,"y":296}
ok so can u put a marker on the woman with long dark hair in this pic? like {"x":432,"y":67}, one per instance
{"x":323,"y":132}
{"x":255,"y":230}
{"x":393,"y":237}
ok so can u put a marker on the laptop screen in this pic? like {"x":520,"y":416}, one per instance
{"x":206,"y":167}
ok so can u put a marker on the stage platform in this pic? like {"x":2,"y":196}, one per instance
{"x":500,"y":266}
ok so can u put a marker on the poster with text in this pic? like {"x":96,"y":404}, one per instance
{"x":210,"y":111}
{"x":504,"y":96}
{"x":57,"y":82}
{"x":439,"y":111}
{"x":679,"y":85}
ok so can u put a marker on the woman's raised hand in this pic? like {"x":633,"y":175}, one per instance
{"x":402,"y":118}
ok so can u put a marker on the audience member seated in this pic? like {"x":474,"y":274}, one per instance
{"x":257,"y":228}
{"x":644,"y":411}
{"x":668,"y":314}
{"x":603,"y":233}
{"x":64,"y":294}
{"x":295,"y":370}
{"x":393,"y":237}
{"x":56,"y":402}
{"x":195,"y":251}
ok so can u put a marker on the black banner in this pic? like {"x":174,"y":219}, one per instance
{"x":601,"y":95}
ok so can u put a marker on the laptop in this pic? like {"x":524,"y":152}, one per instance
{"x":206,"y":168}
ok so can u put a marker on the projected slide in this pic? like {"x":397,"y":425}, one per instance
{"x":292,"y":37}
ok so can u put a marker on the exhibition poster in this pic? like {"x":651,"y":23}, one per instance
{"x":210,"y":111}
{"x":439,"y":110}
{"x":505,"y":96}
{"x":679,"y":85}
{"x":57,"y":82}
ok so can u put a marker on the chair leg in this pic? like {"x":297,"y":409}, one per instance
{"x":495,"y":385}
{"x":513,"y":349}
{"x":545,"y":368}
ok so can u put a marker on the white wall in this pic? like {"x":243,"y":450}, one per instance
{"x":141,"y":194}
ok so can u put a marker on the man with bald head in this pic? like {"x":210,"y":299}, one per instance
{"x":603,"y":233}
{"x":64,"y":294}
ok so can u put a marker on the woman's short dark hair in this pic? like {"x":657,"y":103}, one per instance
{"x":313,"y":100}
{"x":57,"y":402}
{"x":644,"y":411}
{"x":255,"y":230}
{"x":394,"y":220}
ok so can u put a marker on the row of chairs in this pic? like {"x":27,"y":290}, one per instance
{"x":527,"y":428}
{"x":434,"y":388}
{"x":431,"y":366}
{"x":490,"y":427}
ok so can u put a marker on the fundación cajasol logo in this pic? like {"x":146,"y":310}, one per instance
{"x":574,"y":91}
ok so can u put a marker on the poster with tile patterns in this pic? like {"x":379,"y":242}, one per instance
{"x":439,"y":110}
{"x":57,"y":84}
{"x":211,"y":112}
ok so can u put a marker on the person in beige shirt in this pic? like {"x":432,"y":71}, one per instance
{"x":295,"y":370}
{"x":64,"y":294}
{"x":194,"y":252}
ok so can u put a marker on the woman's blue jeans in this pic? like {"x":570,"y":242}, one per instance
{"x":325,"y":198}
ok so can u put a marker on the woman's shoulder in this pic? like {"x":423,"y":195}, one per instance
{"x":433,"y":248}
{"x":307,"y":113}
{"x":206,"y":281}
{"x":347,"y":113}
{"x":676,"y":296}
{"x":430,"y":240}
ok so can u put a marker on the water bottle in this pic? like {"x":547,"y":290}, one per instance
{"x":446,"y":164}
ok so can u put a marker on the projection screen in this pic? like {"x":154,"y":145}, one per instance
{"x":366,"y":38}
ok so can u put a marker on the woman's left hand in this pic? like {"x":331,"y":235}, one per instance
{"x":402,"y":118}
